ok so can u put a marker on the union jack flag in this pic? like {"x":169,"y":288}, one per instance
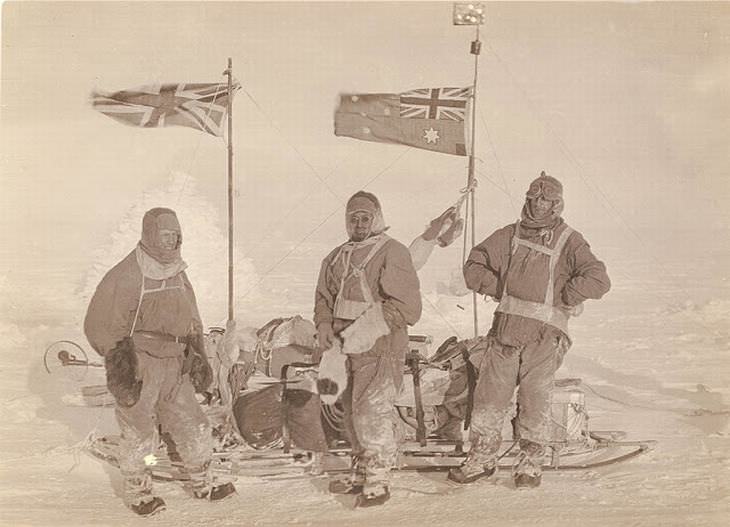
{"x":199,"y":106}
{"x":435,"y":103}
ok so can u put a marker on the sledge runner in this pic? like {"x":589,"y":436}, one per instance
{"x":143,"y":319}
{"x":541,"y":271}
{"x":367,"y":293}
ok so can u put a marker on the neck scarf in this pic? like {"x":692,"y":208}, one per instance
{"x":156,"y":270}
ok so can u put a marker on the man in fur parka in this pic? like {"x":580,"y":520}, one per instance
{"x":143,"y":319}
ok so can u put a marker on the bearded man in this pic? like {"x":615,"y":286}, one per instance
{"x":369,"y":277}
{"x":143,"y":319}
{"x":540,"y":271}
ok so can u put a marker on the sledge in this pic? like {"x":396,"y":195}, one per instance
{"x":600,"y":450}
{"x":281,"y":429}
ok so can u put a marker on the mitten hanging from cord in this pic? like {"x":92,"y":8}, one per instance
{"x":122,"y":373}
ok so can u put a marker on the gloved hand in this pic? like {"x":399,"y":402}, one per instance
{"x":452,"y":233}
{"x":393,"y":316}
{"x":437,"y":224}
{"x":325,"y":335}
{"x":574,"y":310}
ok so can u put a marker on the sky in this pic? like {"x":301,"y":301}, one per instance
{"x":628,"y":104}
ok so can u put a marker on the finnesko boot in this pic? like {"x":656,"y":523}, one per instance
{"x":527,"y":470}
{"x":216,"y":493}
{"x":149,"y":507}
{"x":469,"y":474}
{"x":373,"y":495}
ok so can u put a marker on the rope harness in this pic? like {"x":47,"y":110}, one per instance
{"x":344,"y":308}
{"x":544,"y":311}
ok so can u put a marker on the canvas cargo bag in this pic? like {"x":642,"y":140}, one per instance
{"x":302,"y":408}
{"x":258,"y":416}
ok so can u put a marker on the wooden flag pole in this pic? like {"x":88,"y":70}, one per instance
{"x":476,"y":46}
{"x":229,"y":72}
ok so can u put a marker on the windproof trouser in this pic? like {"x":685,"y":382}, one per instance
{"x":167,"y":400}
{"x":370,"y":415}
{"x":531,"y":367}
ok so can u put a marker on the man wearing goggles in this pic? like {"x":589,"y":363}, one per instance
{"x":540,"y":271}
{"x":368,"y":292}
{"x":543,"y":203}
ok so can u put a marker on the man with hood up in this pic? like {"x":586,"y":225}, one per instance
{"x":541,"y":271}
{"x":143,"y":319}
{"x":370,"y":273}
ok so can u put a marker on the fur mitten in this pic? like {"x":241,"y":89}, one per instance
{"x":197,"y":365}
{"x":440,"y":224}
{"x":121,"y":373}
{"x":332,"y":377}
{"x":453,"y":232}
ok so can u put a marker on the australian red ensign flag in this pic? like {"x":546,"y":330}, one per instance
{"x":430,"y":118}
{"x":199,"y":106}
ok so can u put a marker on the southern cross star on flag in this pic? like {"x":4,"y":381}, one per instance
{"x":200,"y":106}
{"x":430,"y":118}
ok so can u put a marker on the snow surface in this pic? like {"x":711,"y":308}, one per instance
{"x":653,"y":356}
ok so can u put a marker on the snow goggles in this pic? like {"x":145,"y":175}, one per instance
{"x":545,"y":189}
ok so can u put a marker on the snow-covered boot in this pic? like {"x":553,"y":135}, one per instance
{"x":527,"y":481}
{"x":149,"y":506}
{"x":471,"y":472}
{"x":479,"y":463}
{"x":372,"y":495}
{"x":354,"y":482}
{"x":345,"y":486}
{"x":217,"y":492}
{"x":527,"y":469}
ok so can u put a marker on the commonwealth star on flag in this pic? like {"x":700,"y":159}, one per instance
{"x":429,"y":118}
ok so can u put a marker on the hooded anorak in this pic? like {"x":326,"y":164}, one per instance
{"x":148,"y":296}
{"x":167,"y":307}
{"x":375,"y":376}
{"x":540,"y":271}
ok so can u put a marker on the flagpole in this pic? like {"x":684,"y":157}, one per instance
{"x":229,"y":72}
{"x":476,"y":46}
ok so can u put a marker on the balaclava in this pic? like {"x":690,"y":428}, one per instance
{"x":154,"y":220}
{"x":365,"y":202}
{"x":550,"y":189}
